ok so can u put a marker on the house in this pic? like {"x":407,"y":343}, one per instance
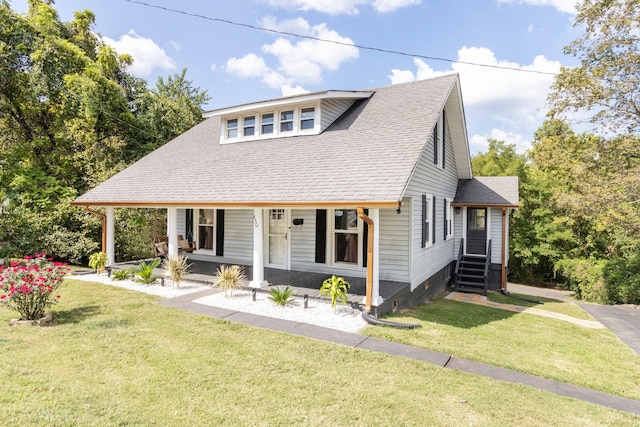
{"x":374,"y":183}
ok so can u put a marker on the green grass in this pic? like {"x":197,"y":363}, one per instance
{"x":593,"y":358}
{"x":564,"y":307}
{"x":114,"y":357}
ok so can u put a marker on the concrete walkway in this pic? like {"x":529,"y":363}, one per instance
{"x":378,"y":345}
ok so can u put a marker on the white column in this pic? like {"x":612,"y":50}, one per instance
{"x":376,"y":299}
{"x":257,"y":280}
{"x":172,"y":230}
{"x":110,"y":243}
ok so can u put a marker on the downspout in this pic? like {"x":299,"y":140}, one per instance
{"x":366,"y":315}
{"x":503,"y":274}
{"x":369,"y":291}
{"x":104,"y":227}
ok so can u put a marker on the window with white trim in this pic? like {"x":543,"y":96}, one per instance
{"x":307,"y":118}
{"x":249,"y":126}
{"x":286,"y":121}
{"x":448,"y":219}
{"x":427,"y":220}
{"x":438,"y":139}
{"x":204,"y":230}
{"x":346,"y":232}
{"x":267,"y":124}
{"x":232,"y":128}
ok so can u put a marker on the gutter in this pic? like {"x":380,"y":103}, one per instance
{"x":104,"y":226}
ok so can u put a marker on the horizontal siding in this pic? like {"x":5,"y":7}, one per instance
{"x":331,"y":109}
{"x":495,"y":233}
{"x":238,"y":234}
{"x":182,"y":222}
{"x":303,"y":239}
{"x":394,"y":245}
{"x":429,"y":178}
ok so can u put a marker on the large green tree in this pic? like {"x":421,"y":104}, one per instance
{"x":606,"y":84}
{"x":71,"y":116}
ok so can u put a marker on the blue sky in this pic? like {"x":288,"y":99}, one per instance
{"x":236,"y":64}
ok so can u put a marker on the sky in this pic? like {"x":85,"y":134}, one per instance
{"x":237,"y":64}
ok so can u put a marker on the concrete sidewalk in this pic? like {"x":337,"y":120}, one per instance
{"x":378,"y":345}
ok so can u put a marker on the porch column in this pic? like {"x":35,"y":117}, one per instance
{"x":172,"y":231}
{"x":110,"y":241}
{"x":257,"y":281}
{"x":376,"y":299}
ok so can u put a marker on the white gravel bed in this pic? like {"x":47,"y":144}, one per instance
{"x":167,"y":291}
{"x":318,"y":313}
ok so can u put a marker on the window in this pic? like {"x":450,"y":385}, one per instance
{"x":427,"y":220}
{"x":346,"y":237}
{"x":307,"y":118}
{"x":267,"y":124}
{"x":448,"y":219}
{"x":286,"y":121}
{"x":249,"y":126}
{"x":206,"y":236}
{"x":232,"y":128}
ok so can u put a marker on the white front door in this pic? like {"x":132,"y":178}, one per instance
{"x":278,"y":238}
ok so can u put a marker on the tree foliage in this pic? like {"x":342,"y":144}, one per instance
{"x":70,"y":117}
{"x":606,"y":84}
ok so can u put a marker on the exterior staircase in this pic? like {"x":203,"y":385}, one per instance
{"x":472,"y":272}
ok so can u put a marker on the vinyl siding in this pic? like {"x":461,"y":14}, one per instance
{"x":238,"y":234}
{"x":442,"y":183}
{"x":331,"y":109}
{"x":394,"y":245}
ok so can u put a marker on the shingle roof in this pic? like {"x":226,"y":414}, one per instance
{"x":488,"y":191}
{"x":368,"y":154}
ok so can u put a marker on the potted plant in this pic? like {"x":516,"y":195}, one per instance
{"x":336,"y":288}
{"x":229,"y":278}
{"x":176,"y":267}
{"x":97,"y":261}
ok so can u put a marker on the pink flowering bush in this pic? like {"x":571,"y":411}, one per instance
{"x":29,"y":286}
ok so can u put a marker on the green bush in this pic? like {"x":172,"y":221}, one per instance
{"x":144,"y":273}
{"x":336,"y":288}
{"x":622,"y":277}
{"x":281,"y":296}
{"x":584,"y":277}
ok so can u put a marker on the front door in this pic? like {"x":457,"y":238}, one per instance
{"x":278,"y":238}
{"x":476,"y":231}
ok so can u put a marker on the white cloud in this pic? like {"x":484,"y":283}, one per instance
{"x":513,"y":98}
{"x":336,"y":7}
{"x":564,"y":6}
{"x":175,"y":45}
{"x":480,"y":143}
{"x":146,"y":53}
{"x":302,"y":62}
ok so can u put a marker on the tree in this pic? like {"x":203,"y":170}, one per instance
{"x":501,"y":159}
{"x":70,"y":117}
{"x":606,"y":84}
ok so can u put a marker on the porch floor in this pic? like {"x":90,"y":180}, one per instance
{"x":302,"y":282}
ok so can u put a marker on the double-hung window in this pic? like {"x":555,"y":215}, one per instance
{"x":232,"y":128}
{"x":427,"y":220}
{"x":286,"y":121}
{"x":249,"y":126}
{"x":267,"y":124}
{"x":307,"y":118}
{"x":346,"y":237}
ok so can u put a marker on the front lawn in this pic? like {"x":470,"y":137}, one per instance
{"x":593,"y":358}
{"x":114,"y":357}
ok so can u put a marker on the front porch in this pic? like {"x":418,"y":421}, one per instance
{"x":302,"y":282}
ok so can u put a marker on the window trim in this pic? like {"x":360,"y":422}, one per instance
{"x":427,"y":220}
{"x":448,"y":220}
{"x":331,"y":241}
{"x":196,"y":230}
{"x":439,"y":140}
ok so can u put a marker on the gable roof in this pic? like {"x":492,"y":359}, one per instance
{"x":365,"y":158}
{"x":498,"y":191}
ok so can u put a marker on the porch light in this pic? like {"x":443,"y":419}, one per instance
{"x":457,"y":210}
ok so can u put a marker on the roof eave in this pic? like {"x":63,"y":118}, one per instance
{"x":244,"y":205}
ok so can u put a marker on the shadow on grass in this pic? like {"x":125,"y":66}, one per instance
{"x":455,"y":313}
{"x":74,"y":315}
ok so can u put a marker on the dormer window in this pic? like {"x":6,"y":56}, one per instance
{"x":267,"y":123}
{"x":232,"y":128}
{"x":249,"y":126}
{"x":286,"y":121}
{"x":307,"y":118}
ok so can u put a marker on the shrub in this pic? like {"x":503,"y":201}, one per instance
{"x":229,"y":278}
{"x":336,"y":288}
{"x":585,"y":277}
{"x":145,"y":272}
{"x":97,"y":261}
{"x":281,"y":296}
{"x":177,"y":267}
{"x":123,"y":274}
{"x":28,"y":286}
{"x":622,"y":278}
